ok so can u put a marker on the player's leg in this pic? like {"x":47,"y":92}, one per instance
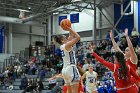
{"x":69,"y":89}
{"x":67,"y":78}
{"x":95,"y":91}
{"x":75,"y":78}
{"x":75,"y":87}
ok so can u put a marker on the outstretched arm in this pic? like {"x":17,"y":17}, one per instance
{"x":102,"y":61}
{"x":71,"y":36}
{"x":134,"y":58}
{"x":55,"y":77}
{"x":116,"y":47}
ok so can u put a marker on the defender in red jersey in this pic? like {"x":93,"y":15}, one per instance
{"x":130,"y":55}
{"x":122,"y":74}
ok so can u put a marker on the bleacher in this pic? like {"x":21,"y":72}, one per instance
{"x":17,"y":82}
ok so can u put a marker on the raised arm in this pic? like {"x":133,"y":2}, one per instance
{"x":133,"y":57}
{"x":74,"y":40}
{"x":55,"y":77}
{"x":116,"y":47}
{"x":70,"y":37}
{"x":101,"y":60}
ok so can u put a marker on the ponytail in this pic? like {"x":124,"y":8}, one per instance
{"x":58,"y":39}
{"x":123,"y":67}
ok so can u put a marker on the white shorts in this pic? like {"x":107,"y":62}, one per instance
{"x":71,"y":75}
{"x":90,"y":89}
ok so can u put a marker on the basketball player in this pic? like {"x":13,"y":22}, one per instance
{"x":70,"y":72}
{"x":122,"y":72}
{"x":130,"y":55}
{"x":64,"y":88}
{"x":91,"y":80}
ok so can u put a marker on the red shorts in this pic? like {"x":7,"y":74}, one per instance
{"x":133,"y":89}
{"x":64,"y":88}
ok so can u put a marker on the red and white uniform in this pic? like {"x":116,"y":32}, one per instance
{"x":134,"y":67}
{"x":123,"y":85}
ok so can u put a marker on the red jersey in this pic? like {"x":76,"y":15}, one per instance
{"x":134,"y":66}
{"x":120,"y":82}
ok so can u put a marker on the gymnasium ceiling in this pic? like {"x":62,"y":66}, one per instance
{"x":10,"y":8}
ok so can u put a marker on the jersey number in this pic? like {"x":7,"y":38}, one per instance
{"x":72,"y":59}
{"x":62,"y":53}
{"x":91,"y":80}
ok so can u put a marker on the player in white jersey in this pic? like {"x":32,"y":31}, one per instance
{"x":70,"y":72}
{"x":91,"y":80}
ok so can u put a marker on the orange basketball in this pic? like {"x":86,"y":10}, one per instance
{"x":64,"y":23}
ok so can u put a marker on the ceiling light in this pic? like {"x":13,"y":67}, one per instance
{"x":23,"y":10}
{"x":76,"y":0}
{"x":29,"y":8}
{"x":56,"y":13}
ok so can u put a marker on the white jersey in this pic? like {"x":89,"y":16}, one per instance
{"x":91,"y":78}
{"x":68,"y":56}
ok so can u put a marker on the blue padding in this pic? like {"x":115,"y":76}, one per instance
{"x":139,"y":16}
{"x":126,"y":21}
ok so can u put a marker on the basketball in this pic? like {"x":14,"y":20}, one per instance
{"x":64,"y":23}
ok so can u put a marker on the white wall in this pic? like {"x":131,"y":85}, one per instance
{"x":20,"y":28}
{"x":85,"y":23}
{"x":38,"y":30}
{"x":109,"y":12}
{"x":86,"y":20}
{"x":37,"y":38}
{"x":22,"y":41}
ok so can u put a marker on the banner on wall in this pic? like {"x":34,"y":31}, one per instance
{"x":139,"y":16}
{"x":61,"y":18}
{"x":1,"y":38}
{"x":74,"y":18}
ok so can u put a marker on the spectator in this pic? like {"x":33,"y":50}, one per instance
{"x":56,"y":89}
{"x":32,"y":69}
{"x":17,"y":68}
{"x":108,"y":36}
{"x":29,"y":87}
{"x":41,"y":73}
{"x":40,"y":84}
{"x":24,"y":83}
{"x":85,"y":66}
{"x":134,"y":32}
